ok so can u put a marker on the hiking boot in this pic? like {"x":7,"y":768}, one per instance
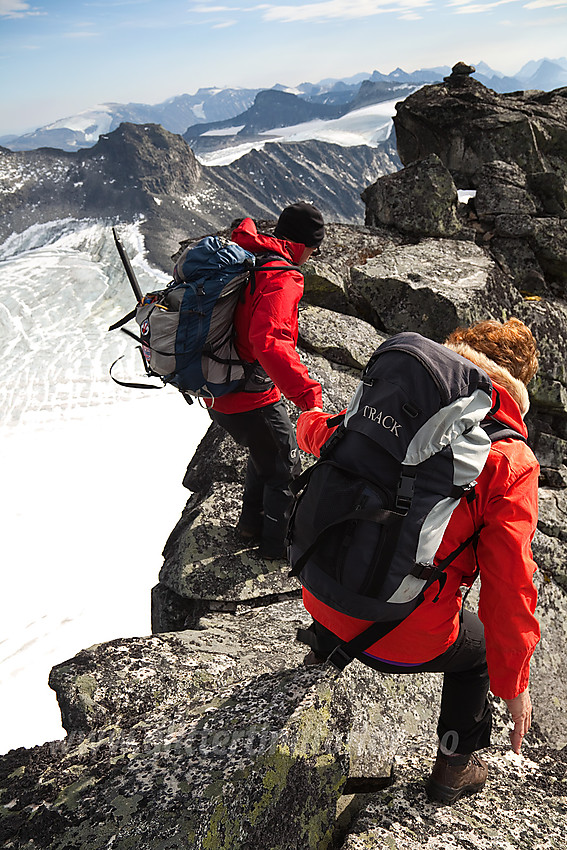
{"x":247,"y":532}
{"x":455,"y":775}
{"x":272,"y":551}
{"x":249,"y":528}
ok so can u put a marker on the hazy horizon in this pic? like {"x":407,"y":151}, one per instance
{"x":65,"y":57}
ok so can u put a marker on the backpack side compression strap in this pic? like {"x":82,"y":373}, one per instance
{"x":134,"y":386}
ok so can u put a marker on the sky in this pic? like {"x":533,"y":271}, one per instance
{"x":58,"y":57}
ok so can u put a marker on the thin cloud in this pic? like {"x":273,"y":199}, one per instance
{"x":17,"y":9}
{"x":224,"y":24}
{"x":546,"y":4}
{"x":202,"y":9}
{"x":117,"y":3}
{"x":341,"y":10}
{"x":464,"y":7}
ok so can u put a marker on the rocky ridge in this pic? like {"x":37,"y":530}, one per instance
{"x":210,"y":733}
{"x":143,"y":172}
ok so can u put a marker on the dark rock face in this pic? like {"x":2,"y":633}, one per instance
{"x":467,"y":125}
{"x":511,"y":149}
{"x":145,"y":171}
{"x":154,"y":159}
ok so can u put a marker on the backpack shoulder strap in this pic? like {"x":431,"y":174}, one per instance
{"x":263,"y":259}
{"x":499,"y":431}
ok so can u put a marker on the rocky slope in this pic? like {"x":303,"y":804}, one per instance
{"x":143,"y":171}
{"x":210,"y":733}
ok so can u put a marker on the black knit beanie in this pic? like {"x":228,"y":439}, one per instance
{"x":301,"y":223}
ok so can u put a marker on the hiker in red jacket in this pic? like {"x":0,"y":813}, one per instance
{"x":266,"y":334}
{"x":491,"y":650}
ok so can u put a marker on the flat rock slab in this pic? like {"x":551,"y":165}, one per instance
{"x":207,"y":559}
{"x":120,"y":681}
{"x":253,"y":750}
{"x":431,"y":288}
{"x":341,"y":339}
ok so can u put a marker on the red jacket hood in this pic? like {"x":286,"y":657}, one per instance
{"x":247,"y":236}
{"x":508,"y":413}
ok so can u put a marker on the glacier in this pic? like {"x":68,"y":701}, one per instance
{"x":368,"y":125}
{"x":91,"y":472}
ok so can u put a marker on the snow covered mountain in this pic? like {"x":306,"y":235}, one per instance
{"x":142,"y":171}
{"x":284,"y":115}
{"x":212,"y":105}
{"x":175,"y":114}
{"x":368,"y":125}
{"x":545,"y":74}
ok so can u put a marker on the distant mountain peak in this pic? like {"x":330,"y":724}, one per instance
{"x":212,"y":105}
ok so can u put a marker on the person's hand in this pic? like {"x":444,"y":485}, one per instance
{"x":521,"y":710}
{"x":314,"y":410}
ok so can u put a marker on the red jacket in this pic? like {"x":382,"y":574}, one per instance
{"x":266,"y":327}
{"x":506,"y":507}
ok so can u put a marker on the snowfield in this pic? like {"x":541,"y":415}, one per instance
{"x":82,"y":460}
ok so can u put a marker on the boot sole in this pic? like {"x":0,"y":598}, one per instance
{"x":445,"y":794}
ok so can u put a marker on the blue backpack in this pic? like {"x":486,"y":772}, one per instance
{"x":187,"y":331}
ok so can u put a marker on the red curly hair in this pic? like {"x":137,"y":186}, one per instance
{"x":509,"y":344}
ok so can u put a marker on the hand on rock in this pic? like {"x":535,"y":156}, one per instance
{"x":521,"y":710}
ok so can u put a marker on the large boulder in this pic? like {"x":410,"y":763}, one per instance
{"x":432,"y":287}
{"x":328,"y":275}
{"x":212,"y":738}
{"x":434,"y":201}
{"x":547,"y":318}
{"x":550,"y":543}
{"x":340,"y":339}
{"x":467,"y":125}
{"x":513,"y":209}
{"x":512,"y":150}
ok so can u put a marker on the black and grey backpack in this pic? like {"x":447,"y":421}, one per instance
{"x":370,"y":515}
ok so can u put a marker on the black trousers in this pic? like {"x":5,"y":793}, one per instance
{"x":465,"y":719}
{"x":273,"y":462}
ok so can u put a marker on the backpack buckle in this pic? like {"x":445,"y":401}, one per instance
{"x":404,"y":494}
{"x":339,"y":658}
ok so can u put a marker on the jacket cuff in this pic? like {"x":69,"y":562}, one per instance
{"x":508,"y":688}
{"x":309,"y":399}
